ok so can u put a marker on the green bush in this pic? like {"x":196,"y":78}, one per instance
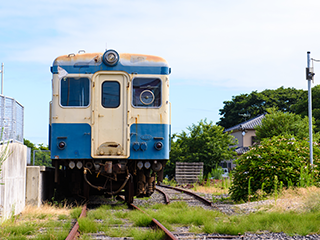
{"x":281,"y":161}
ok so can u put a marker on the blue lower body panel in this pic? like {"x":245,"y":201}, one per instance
{"x":77,"y":138}
{"x":144,"y":137}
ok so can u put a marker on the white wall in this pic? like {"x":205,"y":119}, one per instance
{"x":13,"y":177}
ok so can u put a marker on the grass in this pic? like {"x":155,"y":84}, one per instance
{"x":296,"y":211}
{"x":47,"y":222}
{"x":111,"y":220}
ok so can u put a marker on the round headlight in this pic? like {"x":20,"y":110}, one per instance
{"x":110,"y":57}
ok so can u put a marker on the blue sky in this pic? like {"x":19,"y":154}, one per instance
{"x":216,"y":49}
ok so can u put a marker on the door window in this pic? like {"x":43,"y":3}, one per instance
{"x":110,"y":94}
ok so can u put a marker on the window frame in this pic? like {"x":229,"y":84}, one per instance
{"x":120,"y":102}
{"x":89,"y":86}
{"x":147,"y":106}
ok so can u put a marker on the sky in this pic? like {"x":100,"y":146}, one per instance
{"x":216,"y":49}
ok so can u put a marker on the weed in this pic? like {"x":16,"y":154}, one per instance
{"x":87,"y":225}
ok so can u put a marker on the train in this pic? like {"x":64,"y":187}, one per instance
{"x":110,"y":123}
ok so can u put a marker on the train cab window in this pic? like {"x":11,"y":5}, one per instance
{"x":146,"y":92}
{"x":75,"y":92}
{"x":110,"y":94}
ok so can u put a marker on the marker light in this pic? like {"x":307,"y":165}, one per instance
{"x":62,"y":145}
{"x":158,"y":145}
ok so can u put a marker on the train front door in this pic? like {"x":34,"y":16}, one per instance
{"x":110,"y":131}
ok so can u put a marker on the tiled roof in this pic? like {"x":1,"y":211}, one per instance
{"x":241,"y":150}
{"x":250,"y":124}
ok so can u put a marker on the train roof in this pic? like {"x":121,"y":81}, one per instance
{"x":93,"y":62}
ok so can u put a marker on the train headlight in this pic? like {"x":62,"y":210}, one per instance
{"x":158,"y":145}
{"x":110,"y":57}
{"x":62,"y":145}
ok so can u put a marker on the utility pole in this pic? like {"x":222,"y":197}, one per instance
{"x":309,"y":76}
{"x":2,"y":73}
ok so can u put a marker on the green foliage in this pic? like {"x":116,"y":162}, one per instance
{"x":217,"y":172}
{"x":42,"y":155}
{"x":204,"y":142}
{"x":282,"y":123}
{"x":256,"y":103}
{"x":279,"y":156}
{"x":301,"y":106}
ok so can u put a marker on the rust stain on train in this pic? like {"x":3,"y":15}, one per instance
{"x":148,"y":58}
{"x":79,"y":57}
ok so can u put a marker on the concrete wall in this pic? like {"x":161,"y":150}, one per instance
{"x":39,"y":186}
{"x":13,"y":175}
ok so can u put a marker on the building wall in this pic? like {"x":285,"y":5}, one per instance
{"x":13,"y":180}
{"x":238,"y":135}
{"x":247,"y":139}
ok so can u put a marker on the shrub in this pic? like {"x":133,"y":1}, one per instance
{"x":281,"y":160}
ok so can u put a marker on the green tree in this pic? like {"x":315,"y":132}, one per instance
{"x":204,"y":142}
{"x":301,"y":107}
{"x":257,"y":103}
{"x":42,"y":158}
{"x":283,"y":123}
{"x":279,"y":161}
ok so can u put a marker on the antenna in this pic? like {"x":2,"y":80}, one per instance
{"x":2,"y":73}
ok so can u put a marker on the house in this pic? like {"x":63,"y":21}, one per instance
{"x":246,"y":136}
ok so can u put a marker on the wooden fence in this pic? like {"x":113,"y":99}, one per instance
{"x":188,"y":172}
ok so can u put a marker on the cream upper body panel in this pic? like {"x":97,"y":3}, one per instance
{"x":83,"y":114}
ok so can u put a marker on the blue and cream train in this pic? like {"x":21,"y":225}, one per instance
{"x":109,"y":123}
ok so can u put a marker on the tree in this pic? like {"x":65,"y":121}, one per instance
{"x":257,"y":103}
{"x":282,"y":123}
{"x":204,"y":142}
{"x":42,"y":158}
{"x":301,"y":107}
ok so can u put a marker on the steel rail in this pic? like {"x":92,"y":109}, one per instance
{"x":155,"y":222}
{"x":166,"y":197}
{"x":207,"y":202}
{"x":74,"y":233}
{"x":169,"y":235}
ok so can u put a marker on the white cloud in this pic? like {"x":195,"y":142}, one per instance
{"x":239,"y":43}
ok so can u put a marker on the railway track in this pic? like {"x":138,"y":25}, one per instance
{"x":167,"y":194}
{"x":74,"y":233}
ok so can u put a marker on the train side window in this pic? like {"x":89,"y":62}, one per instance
{"x":110,"y":94}
{"x":75,"y":92}
{"x":146,"y":92}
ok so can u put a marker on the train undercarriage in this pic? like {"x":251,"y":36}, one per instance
{"x":108,"y":177}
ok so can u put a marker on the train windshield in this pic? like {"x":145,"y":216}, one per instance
{"x":146,"y":92}
{"x":74,"y":92}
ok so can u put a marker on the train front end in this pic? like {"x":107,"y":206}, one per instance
{"x":109,"y":123}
